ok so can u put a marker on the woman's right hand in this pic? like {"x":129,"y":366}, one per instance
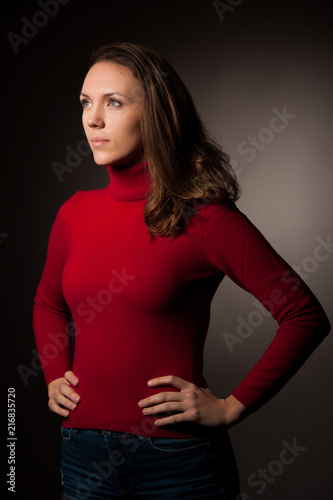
{"x":62,"y":396}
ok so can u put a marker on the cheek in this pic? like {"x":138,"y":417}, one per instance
{"x":129,"y":131}
{"x":136,"y":133}
{"x":136,"y":127}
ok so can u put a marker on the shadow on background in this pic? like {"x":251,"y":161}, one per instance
{"x":239,"y":65}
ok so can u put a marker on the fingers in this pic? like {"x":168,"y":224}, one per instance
{"x":161,"y":397}
{"x":174,"y":413}
{"x":174,"y":419}
{"x":62,"y":397}
{"x":66,"y":391}
{"x":71,"y":378}
{"x":164,"y":408}
{"x":190,"y":404}
{"x":59,"y":404}
{"x":166,"y":402}
{"x":54,"y":407}
{"x":172,"y":380}
{"x":181,"y":405}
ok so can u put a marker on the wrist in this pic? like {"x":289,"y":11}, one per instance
{"x":235,"y":410}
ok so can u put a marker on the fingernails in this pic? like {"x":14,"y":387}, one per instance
{"x":76,"y":399}
{"x":140,"y":403}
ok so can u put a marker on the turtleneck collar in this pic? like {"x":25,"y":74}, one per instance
{"x":129,"y":183}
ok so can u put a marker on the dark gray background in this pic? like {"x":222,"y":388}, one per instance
{"x":262,"y":55}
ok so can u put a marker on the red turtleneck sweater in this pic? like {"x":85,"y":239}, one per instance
{"x":141,"y":309}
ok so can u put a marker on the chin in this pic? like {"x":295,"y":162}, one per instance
{"x":128,"y":160}
{"x":103,"y":160}
{"x":102,"y":163}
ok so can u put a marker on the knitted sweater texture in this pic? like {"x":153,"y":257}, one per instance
{"x":140,"y":309}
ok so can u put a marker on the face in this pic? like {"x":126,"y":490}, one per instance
{"x":112,"y":110}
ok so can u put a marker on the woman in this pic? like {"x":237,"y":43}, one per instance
{"x":132,"y":269}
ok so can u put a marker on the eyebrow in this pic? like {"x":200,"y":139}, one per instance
{"x":106,"y":95}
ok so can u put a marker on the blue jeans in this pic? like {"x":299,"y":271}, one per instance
{"x":103,"y":465}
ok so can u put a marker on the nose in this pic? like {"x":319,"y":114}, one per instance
{"x":95,"y":119}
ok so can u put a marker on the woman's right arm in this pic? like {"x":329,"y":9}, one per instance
{"x":52,"y":320}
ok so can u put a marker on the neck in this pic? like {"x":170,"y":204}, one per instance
{"x":129,"y":183}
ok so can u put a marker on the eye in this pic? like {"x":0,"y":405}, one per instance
{"x":114,"y":103}
{"x":85,"y":103}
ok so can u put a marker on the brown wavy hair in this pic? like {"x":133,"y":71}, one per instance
{"x":188,"y":168}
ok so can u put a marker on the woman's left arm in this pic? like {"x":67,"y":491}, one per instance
{"x":235,"y":247}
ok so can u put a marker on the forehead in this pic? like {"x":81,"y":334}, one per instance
{"x":109,"y":77}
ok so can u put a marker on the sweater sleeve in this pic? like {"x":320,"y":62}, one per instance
{"x":236,"y":247}
{"x":52,"y":320}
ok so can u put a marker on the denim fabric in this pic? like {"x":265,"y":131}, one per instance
{"x":102,"y":465}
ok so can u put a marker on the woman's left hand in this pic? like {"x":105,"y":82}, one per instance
{"x":191,"y":404}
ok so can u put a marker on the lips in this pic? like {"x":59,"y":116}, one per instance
{"x":99,"y":141}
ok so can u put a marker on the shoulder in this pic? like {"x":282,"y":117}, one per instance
{"x":225,"y":215}
{"x":80,"y":201}
{"x":227,"y":227}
